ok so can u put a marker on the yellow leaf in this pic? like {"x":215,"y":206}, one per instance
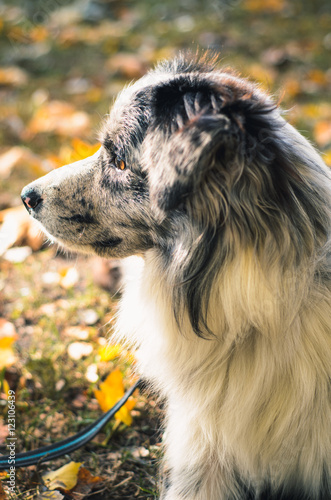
{"x":6,"y":342}
{"x":65,"y":477}
{"x":111,"y":391}
{"x":5,"y":388}
{"x":311,"y":111}
{"x":109,"y":352}
{"x":327,"y":157}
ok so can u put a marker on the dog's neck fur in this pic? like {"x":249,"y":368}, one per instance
{"x":266,"y":358}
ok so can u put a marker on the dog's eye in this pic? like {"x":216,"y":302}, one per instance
{"x":119,"y":163}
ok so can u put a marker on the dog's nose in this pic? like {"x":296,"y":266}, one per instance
{"x":31,"y":197}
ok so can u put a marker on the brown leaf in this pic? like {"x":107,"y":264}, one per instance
{"x":3,"y":495}
{"x":85,"y":483}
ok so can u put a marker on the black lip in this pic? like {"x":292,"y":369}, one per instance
{"x":111,"y":243}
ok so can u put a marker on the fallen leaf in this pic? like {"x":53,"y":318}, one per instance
{"x":322,"y":133}
{"x":68,"y":277}
{"x":88,"y":317}
{"x":50,"y":495}
{"x":4,"y":431}
{"x":8,"y":336}
{"x":92,"y":373}
{"x":5,"y":388}
{"x":18,"y":227}
{"x":292,"y":87}
{"x":78,"y":332}
{"x":79,"y":350}
{"x":7,"y":330}
{"x":318,"y":77}
{"x":65,"y":477}
{"x":264,"y":5}
{"x":129,"y":65}
{"x":327,"y":157}
{"x":263,"y":75}
{"x":60,"y":118}
{"x":109,"y":352}
{"x":111,"y":391}
{"x":13,"y":76}
{"x":82,"y":149}
{"x":85,"y":483}
{"x":21,"y":157}
{"x":18,"y":254}
{"x":3,"y":495}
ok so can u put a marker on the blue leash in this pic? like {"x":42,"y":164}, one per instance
{"x":68,"y":445}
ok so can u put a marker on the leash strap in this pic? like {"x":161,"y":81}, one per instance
{"x":68,"y":445}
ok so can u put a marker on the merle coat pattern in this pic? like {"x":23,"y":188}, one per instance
{"x":230,"y":206}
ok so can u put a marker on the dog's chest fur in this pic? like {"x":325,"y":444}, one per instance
{"x":240,"y":392}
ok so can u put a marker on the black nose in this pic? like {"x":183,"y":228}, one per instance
{"x":31,"y":197}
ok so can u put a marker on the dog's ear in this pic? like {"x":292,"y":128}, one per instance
{"x":187,"y":131}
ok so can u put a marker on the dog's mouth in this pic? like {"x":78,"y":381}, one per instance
{"x":109,"y":243}
{"x":99,"y":247}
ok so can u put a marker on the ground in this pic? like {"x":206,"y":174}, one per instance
{"x":62,"y":63}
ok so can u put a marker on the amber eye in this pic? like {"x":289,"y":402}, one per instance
{"x":119,"y":163}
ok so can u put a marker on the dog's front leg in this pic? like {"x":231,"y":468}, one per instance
{"x":194,"y":463}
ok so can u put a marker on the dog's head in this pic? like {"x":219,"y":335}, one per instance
{"x":192,"y":150}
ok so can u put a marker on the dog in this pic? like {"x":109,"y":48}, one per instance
{"x":230,"y":206}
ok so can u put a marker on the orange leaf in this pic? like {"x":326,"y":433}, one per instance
{"x":82,"y":149}
{"x":13,"y":76}
{"x":60,"y":118}
{"x":77,"y":151}
{"x":264,"y":5}
{"x":111,"y":391}
{"x":317,"y":76}
{"x":322,"y":133}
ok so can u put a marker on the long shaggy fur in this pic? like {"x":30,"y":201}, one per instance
{"x":231,"y":208}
